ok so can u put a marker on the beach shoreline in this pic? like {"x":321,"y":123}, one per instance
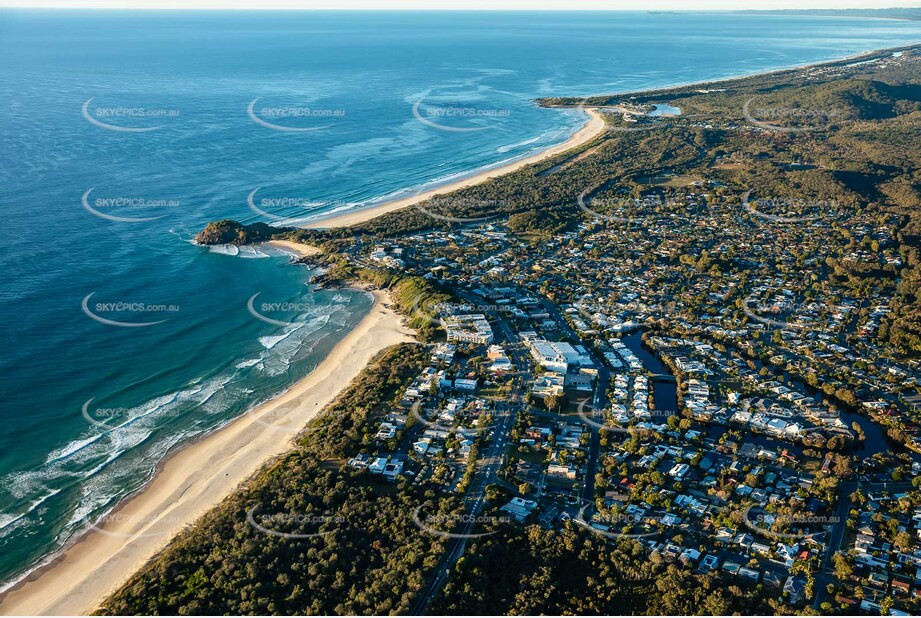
{"x":593,"y":127}
{"x":658,"y":90}
{"x":195,"y":478}
{"x":299,"y":249}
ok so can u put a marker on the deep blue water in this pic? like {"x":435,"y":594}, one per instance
{"x":664,"y":392}
{"x":89,"y":408}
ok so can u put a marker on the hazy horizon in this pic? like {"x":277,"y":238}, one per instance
{"x":474,"y":5}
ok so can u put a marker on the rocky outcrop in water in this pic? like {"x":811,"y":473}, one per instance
{"x":230,"y":232}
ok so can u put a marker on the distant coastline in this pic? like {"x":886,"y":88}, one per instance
{"x":869,"y":12}
{"x":589,"y":131}
{"x":677,"y":88}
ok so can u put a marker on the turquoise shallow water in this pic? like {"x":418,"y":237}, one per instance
{"x":101,"y":216}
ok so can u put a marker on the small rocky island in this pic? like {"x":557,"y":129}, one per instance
{"x":230,"y":232}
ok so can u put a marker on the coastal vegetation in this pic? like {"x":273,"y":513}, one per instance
{"x":414,"y":297}
{"x":573,"y":572}
{"x":229,"y":232}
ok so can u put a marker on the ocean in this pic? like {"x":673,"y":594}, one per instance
{"x":122,"y":134}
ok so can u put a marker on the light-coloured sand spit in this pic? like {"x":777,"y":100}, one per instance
{"x":195,"y":479}
{"x":297,"y":248}
{"x":594,"y":127}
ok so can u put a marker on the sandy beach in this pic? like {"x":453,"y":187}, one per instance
{"x":196,"y":478}
{"x":593,"y":128}
{"x":299,"y":249}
